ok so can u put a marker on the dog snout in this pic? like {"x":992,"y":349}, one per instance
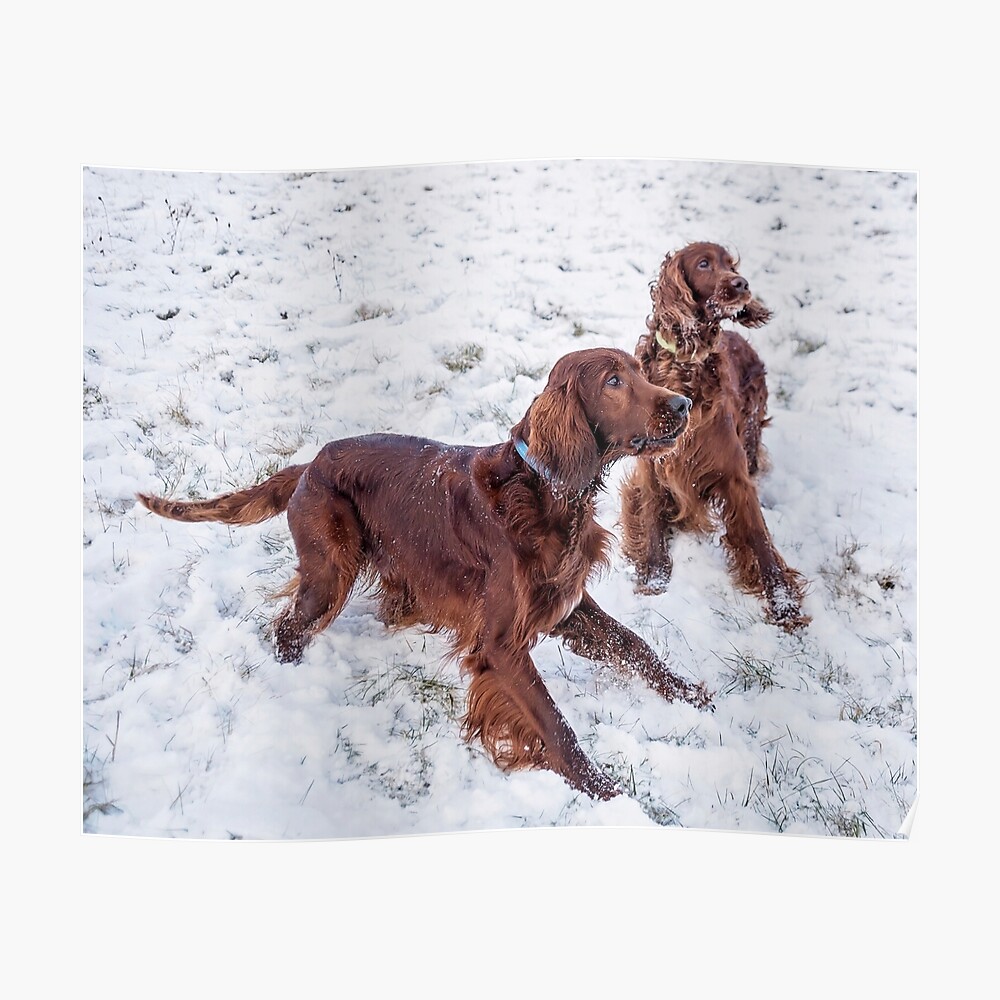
{"x":739,"y":284}
{"x":680,"y":405}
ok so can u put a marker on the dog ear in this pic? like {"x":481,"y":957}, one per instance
{"x":753,"y":314}
{"x":673,"y":300}
{"x":560,"y":441}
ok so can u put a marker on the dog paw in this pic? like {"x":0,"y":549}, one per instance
{"x":652,"y":583}
{"x":784,"y":609}
{"x":695,"y":694}
{"x":674,"y":688}
{"x":599,"y":786}
{"x":792,"y":623}
{"x":288,"y":645}
{"x":592,"y":782}
{"x":701,"y":697}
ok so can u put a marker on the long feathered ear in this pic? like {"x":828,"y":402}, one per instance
{"x":673,"y":302}
{"x":753,"y":314}
{"x":560,"y":441}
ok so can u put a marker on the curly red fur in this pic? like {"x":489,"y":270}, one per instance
{"x":708,"y":482}
{"x":481,"y":543}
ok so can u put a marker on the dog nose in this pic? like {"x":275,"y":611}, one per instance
{"x":739,"y":284}
{"x":681,"y":405}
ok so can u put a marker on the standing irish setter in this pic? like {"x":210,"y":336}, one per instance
{"x":494,"y":545}
{"x":708,"y":480}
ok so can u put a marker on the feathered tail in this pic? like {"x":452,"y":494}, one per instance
{"x":249,"y":506}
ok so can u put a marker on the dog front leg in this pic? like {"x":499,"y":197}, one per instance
{"x":591,"y":632}
{"x":647,"y":512}
{"x":514,"y":715}
{"x":755,"y":562}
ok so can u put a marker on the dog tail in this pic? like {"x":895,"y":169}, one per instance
{"x":249,"y":506}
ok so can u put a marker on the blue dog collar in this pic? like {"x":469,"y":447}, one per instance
{"x":522,"y":450}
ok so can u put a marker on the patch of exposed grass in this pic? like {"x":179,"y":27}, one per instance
{"x":95,"y":798}
{"x":181,"y":637}
{"x":463,"y":359}
{"x":548,"y":312}
{"x":93,"y":399}
{"x":133,"y":667}
{"x":420,"y":701}
{"x":656,"y":809}
{"x":782,"y":393}
{"x":791,"y":785}
{"x":212,"y":354}
{"x":497,"y":413}
{"x":263,"y":471}
{"x":897,"y":713}
{"x":437,"y":697}
{"x":737,"y":617}
{"x":831,"y":674}
{"x":370,"y":310}
{"x":845,"y":578}
{"x":178,"y":214}
{"x":285,"y":442}
{"x":804,"y":345}
{"x":747,"y":672}
{"x":534,"y":373}
{"x":172,"y":468}
{"x":888,"y":579}
{"x":841,"y":573}
{"x":432,"y":390}
{"x":263,"y":354}
{"x":178,"y":412}
{"x":381,"y":355}
{"x":116,"y":507}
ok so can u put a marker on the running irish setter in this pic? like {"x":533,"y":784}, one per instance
{"x":494,"y":545}
{"x":708,"y":480}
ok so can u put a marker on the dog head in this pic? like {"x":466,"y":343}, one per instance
{"x":597,"y":407}
{"x":697,"y":288}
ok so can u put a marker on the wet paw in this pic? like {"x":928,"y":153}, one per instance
{"x":784,"y":609}
{"x":599,"y":786}
{"x":653,"y":581}
{"x":700,"y":696}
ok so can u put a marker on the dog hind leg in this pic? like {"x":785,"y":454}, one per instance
{"x":329,"y":541}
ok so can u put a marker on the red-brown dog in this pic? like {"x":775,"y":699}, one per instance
{"x":708,"y":480}
{"x":494,"y":545}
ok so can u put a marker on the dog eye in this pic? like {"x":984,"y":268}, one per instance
{"x":703,"y":263}
{"x":614,"y":380}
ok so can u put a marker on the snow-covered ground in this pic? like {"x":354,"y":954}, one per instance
{"x":233,"y":323}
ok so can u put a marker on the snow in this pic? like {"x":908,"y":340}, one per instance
{"x":587,"y":911}
{"x":234,"y":323}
